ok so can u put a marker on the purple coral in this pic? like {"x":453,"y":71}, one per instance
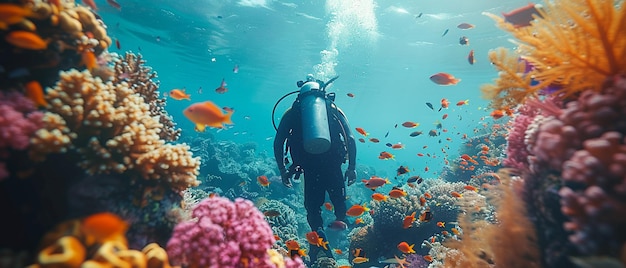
{"x":18,"y":121}
{"x":597,"y":210}
{"x":222,"y":234}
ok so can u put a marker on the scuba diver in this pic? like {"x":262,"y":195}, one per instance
{"x":316,"y":134}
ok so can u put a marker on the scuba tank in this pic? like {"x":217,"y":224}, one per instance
{"x":315,"y":129}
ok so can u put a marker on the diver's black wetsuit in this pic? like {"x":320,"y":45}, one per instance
{"x":322,"y":172}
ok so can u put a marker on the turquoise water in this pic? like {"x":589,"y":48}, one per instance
{"x":382,"y":52}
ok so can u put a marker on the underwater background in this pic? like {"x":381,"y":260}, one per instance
{"x":523,"y":166}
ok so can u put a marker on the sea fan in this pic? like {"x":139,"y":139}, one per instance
{"x":574,"y":44}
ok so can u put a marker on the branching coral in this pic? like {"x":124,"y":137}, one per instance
{"x":141,"y":79}
{"x":576,"y":45}
{"x":111,"y":131}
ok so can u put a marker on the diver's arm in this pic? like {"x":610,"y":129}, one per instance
{"x":350,"y":141}
{"x":281,"y":137}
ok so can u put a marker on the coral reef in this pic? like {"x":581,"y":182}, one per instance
{"x":110,"y":130}
{"x":141,"y":79}
{"x":573,"y":44}
{"x":18,"y":122}
{"x":72,"y":34}
{"x":71,"y":244}
{"x":222,"y":234}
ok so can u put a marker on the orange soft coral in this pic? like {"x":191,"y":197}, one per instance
{"x":576,"y":44}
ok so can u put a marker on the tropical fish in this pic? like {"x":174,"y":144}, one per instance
{"x":351,"y":95}
{"x":430,"y":105}
{"x":397,"y":193}
{"x":427,"y":195}
{"x":409,"y":124}
{"x":379,"y":197}
{"x":456,"y":194}
{"x":263,"y":181}
{"x":89,"y":59}
{"x":179,"y":94}
{"x":415,"y":133}
{"x":402,"y":170}
{"x":314,"y":239}
{"x":470,"y":57}
{"x":357,"y":210}
{"x":374,"y":140}
{"x":207,"y":114}
{"x":455,"y":231}
{"x":462,"y":102}
{"x":328,"y":206}
{"x":362,"y":131}
{"x":426,"y":216}
{"x":405,"y":248}
{"x":103,"y":227}
{"x":428,"y":258}
{"x":521,"y":17}
{"x":360,"y":260}
{"x":408,"y":221}
{"x":375,"y":182}
{"x":117,"y":44}
{"x":445,"y":32}
{"x":444,"y":79}
{"x":444,"y":103}
{"x":362,"y":140}
{"x":337,"y":226}
{"x":222,"y":88}
{"x":470,"y":187}
{"x":465,"y":26}
{"x":271,"y":213}
{"x":35,"y":93}
{"x":463,"y":40}
{"x":497,"y":114}
{"x":441,"y":224}
{"x":294,"y":248}
{"x":417,"y":179}
{"x":397,"y":146}
{"x":385,"y":156}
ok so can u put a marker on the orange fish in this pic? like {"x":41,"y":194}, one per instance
{"x":385,"y":156}
{"x":405,"y":248}
{"x":427,"y":195}
{"x":179,"y":94}
{"x":103,"y":227}
{"x":420,"y":154}
{"x":445,"y":233}
{"x":402,"y":170}
{"x":379,"y":197}
{"x":350,"y":95}
{"x":441,"y":224}
{"x":397,"y":146}
{"x":470,"y":57}
{"x":375,"y":182}
{"x":374,"y":140}
{"x":462,"y":102}
{"x":433,"y":239}
{"x":35,"y":93}
{"x":357,"y":210}
{"x":207,"y":114}
{"x":445,"y":103}
{"x":360,"y":260}
{"x":294,"y":248}
{"x":428,"y":258}
{"x":426,"y":216}
{"x":455,"y":231}
{"x":358,"y":221}
{"x":338,"y":251}
{"x":456,"y":194}
{"x":362,"y":131}
{"x":444,"y":116}
{"x":397,"y":193}
{"x":497,"y":114}
{"x":222,"y":88}
{"x":444,"y":79}
{"x":328,"y":206}
{"x":89,"y":59}
{"x":26,"y":40}
{"x":409,"y":124}
{"x":314,"y":239}
{"x":470,"y":187}
{"x":263,"y":181}
{"x":426,"y":169}
{"x":408,"y":221}
{"x":12,"y":14}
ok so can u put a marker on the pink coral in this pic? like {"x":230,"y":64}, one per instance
{"x":222,"y":234}
{"x":18,"y":121}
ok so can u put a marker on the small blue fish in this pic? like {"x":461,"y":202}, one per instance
{"x":445,"y":32}
{"x":389,"y":144}
{"x":387,"y":134}
{"x":430,"y":105}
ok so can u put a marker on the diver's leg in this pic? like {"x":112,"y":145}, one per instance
{"x":337,"y":193}
{"x":313,"y":199}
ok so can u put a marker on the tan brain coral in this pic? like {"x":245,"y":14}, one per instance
{"x":110,"y":128}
